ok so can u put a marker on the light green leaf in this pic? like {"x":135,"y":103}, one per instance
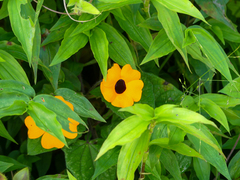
{"x":11,"y":69}
{"x":70,"y":176}
{"x":181,"y":148}
{"x":171,"y":23}
{"x":87,"y":7}
{"x":130,"y":25}
{"x":184,"y":7}
{"x":212,"y":50}
{"x":69,"y":46}
{"x":16,"y":86}
{"x":214,"y":111}
{"x":4,"y":12}
{"x":82,"y":106}
{"x":125,"y":132}
{"x":173,"y":114}
{"x":62,"y":110}
{"x":160,"y":46}
{"x":22,"y":174}
{"x":131,"y":155}
{"x":99,"y":46}
{"x":232,"y":89}
{"x":222,"y":100}
{"x":118,"y":48}
{"x":144,"y":111}
{"x":112,"y":1}
{"x":46,"y":120}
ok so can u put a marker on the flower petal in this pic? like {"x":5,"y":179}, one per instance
{"x":73,"y":125}
{"x":113,"y":75}
{"x":33,"y":131}
{"x":122,"y":100}
{"x":48,"y":141}
{"x":128,"y":74}
{"x":66,"y":102}
{"x":134,"y":89}
{"x":69,"y":135}
{"x":108,"y":92}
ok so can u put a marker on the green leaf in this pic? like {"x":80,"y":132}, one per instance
{"x":118,"y":48}
{"x":189,"y":103}
{"x":169,"y":161}
{"x":108,"y":160}
{"x":151,"y":23}
{"x":81,"y":104}
{"x":157,"y":91}
{"x":125,"y":132}
{"x":46,"y":120}
{"x":212,"y":50}
{"x":52,"y":73}
{"x":89,"y":24}
{"x":144,"y":111}
{"x":215,"y":9}
{"x":22,"y":15}
{"x":171,"y":23}
{"x":160,"y":46}
{"x":22,"y":174}
{"x":4,"y":133}
{"x":11,"y":69}
{"x":99,"y":46}
{"x":60,"y":109}
{"x":175,"y":135}
{"x":4,"y":11}
{"x":131,"y":155}
{"x":222,"y":100}
{"x":44,"y":163}
{"x":70,"y":176}
{"x":55,"y":35}
{"x":181,"y":148}
{"x":72,"y":44}
{"x":202,"y":168}
{"x":209,"y":153}
{"x":112,"y":1}
{"x":173,"y":114}
{"x":232,"y":89}
{"x":16,"y":86}
{"x":4,"y":166}
{"x":87,"y":7}
{"x":34,"y":147}
{"x":233,"y":166}
{"x":184,"y":7}
{"x":80,"y":159}
{"x":214,"y":111}
{"x":15,"y":164}
{"x":136,"y":33}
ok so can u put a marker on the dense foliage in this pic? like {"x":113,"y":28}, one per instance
{"x":119,"y":89}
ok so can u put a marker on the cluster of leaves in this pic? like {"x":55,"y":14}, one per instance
{"x":186,"y":125}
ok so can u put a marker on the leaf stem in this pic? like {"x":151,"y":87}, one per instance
{"x":146,"y":7}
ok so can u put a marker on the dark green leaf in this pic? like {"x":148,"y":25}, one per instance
{"x":4,"y":10}
{"x":15,"y":164}
{"x":202,"y":168}
{"x":118,"y":48}
{"x":81,"y":104}
{"x":4,"y":133}
{"x":99,"y":46}
{"x":233,"y":166}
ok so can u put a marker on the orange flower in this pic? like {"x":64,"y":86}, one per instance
{"x":123,"y":86}
{"x":48,"y":141}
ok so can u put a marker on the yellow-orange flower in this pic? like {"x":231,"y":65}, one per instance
{"x":123,"y":86}
{"x":48,"y":141}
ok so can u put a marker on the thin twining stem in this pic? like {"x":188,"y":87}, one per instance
{"x":67,"y":13}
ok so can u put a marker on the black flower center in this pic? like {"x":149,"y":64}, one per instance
{"x":120,"y":86}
